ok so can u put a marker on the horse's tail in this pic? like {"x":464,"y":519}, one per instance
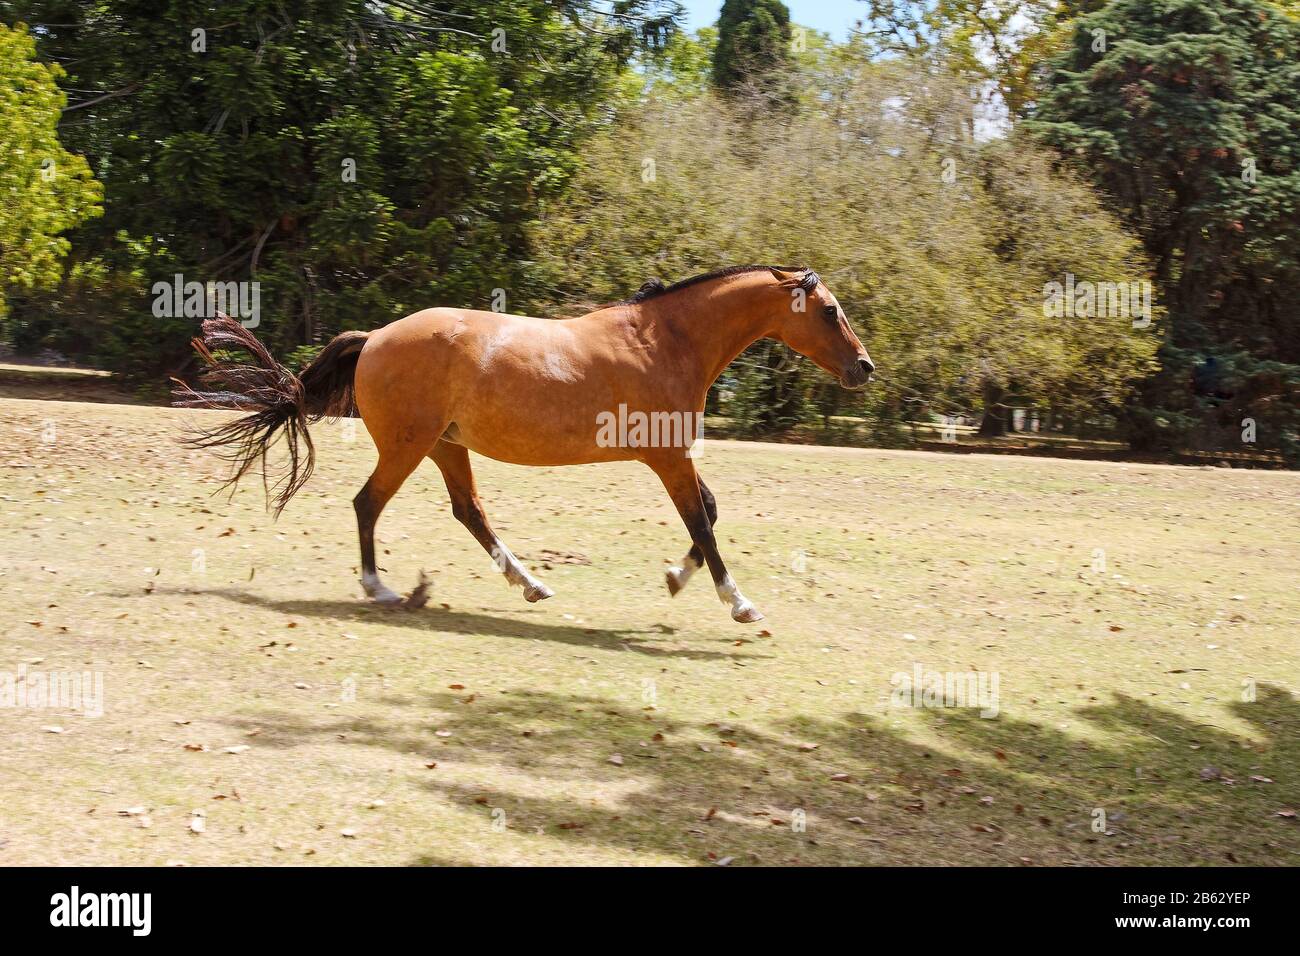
{"x":274,"y":397}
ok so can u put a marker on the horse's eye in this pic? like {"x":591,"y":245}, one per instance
{"x":830,"y":312}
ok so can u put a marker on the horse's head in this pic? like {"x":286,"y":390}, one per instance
{"x":812,"y":323}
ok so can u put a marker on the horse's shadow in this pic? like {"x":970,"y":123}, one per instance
{"x":433,"y":618}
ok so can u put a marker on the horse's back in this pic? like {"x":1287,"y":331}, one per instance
{"x":470,"y":332}
{"x":515,"y":387}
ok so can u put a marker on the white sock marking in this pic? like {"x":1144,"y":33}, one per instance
{"x":730,"y":594}
{"x":377,"y":590}
{"x":682,"y":572}
{"x":507,"y":564}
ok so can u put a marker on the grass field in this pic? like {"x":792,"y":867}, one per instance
{"x":1141,"y":622}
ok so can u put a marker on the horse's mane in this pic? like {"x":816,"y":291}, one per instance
{"x":655,"y":288}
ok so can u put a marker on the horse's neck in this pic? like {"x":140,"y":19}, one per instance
{"x":707,"y":328}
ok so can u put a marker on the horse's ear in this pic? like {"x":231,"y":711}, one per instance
{"x":787,"y":279}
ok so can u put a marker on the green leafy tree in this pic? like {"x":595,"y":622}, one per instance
{"x":943,"y":279}
{"x":359,"y":160}
{"x":44,"y":189}
{"x":683,"y":68}
{"x":1000,"y":46}
{"x":1187,"y":113}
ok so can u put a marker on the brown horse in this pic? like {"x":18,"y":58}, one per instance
{"x":443,"y":382}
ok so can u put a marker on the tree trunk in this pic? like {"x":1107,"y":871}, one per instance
{"x":994,"y":422}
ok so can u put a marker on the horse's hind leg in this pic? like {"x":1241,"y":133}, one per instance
{"x":453,"y":461}
{"x":395,"y":465}
{"x":679,"y":574}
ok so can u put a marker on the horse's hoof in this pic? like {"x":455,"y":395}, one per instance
{"x":746,"y":614}
{"x":377,"y":591}
{"x":675,"y":580}
{"x":537,"y":592}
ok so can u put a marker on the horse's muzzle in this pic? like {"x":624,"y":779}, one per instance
{"x":858,"y":374}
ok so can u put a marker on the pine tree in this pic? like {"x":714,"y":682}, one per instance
{"x":1187,"y":113}
{"x":753,"y":44}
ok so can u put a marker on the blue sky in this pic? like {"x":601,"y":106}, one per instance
{"x":829,"y":16}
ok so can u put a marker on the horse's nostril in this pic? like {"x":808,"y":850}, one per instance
{"x":866,"y":365}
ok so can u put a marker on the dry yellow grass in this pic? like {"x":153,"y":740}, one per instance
{"x":480,"y":729}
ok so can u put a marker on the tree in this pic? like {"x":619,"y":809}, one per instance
{"x":44,"y":189}
{"x":944,"y":280}
{"x":683,"y":68}
{"x":358,"y":160}
{"x":753,"y":47}
{"x":998,"y":45}
{"x":1188,"y":115}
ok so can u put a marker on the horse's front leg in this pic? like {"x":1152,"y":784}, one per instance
{"x":683,"y":486}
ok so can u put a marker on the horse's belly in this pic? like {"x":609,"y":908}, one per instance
{"x":537,"y":444}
